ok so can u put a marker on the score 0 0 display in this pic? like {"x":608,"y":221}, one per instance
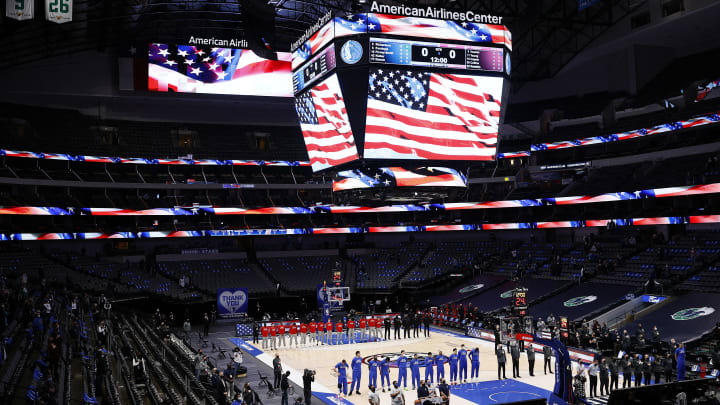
{"x":434,"y":54}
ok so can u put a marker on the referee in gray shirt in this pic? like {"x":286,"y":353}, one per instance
{"x":593,"y":374}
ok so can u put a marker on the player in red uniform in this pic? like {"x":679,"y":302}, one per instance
{"x":339,"y":329}
{"x":293,"y":335}
{"x":273,"y":334}
{"x":264,"y":332}
{"x":281,"y":335}
{"x":363,"y":328}
{"x":351,"y":331}
{"x":303,"y":334}
{"x":312,"y":328}
{"x":372,"y":330}
{"x":329,"y":332}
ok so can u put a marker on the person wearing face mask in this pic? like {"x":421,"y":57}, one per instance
{"x":396,"y":395}
{"x":604,"y":378}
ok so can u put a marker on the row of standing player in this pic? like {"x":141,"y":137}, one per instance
{"x":458,"y":362}
{"x":364,"y":330}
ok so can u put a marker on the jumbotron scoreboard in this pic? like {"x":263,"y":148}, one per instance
{"x":390,"y":89}
{"x":519,"y":302}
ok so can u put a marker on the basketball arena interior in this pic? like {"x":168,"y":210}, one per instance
{"x":247,"y":202}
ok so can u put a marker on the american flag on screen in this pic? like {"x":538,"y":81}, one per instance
{"x":325,"y":125}
{"x":201,"y":69}
{"x":419,"y":115}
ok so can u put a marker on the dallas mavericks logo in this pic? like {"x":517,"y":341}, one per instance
{"x":577,"y":301}
{"x":351,"y":52}
{"x":232,"y":301}
{"x":692,"y":313}
{"x":507,"y":63}
{"x":507,"y":294}
{"x":471,"y":287}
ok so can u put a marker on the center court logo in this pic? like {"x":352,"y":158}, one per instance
{"x":393,"y":356}
{"x":577,"y":301}
{"x":692,"y":313}
{"x":471,"y":287}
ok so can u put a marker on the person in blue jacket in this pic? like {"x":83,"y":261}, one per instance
{"x":429,"y":362}
{"x":385,"y":372}
{"x":462,"y":362}
{"x":356,"y":365}
{"x":453,"y":360}
{"x":415,"y":371}
{"x":341,"y":369}
{"x":680,"y":358}
{"x":402,"y":364}
{"x":474,"y":362}
{"x":372,"y":371}
{"x":440,"y":361}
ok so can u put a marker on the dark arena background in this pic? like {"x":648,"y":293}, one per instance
{"x":278,"y":201}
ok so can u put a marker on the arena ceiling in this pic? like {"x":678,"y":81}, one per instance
{"x":547,"y":34}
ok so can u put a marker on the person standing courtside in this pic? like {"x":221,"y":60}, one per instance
{"x":500,"y":354}
{"x":406,"y":324}
{"x":281,"y":335}
{"x":356,"y":366}
{"x":378,"y":329}
{"x":402,"y":364}
{"x":426,"y":324}
{"x":474,"y":363}
{"x":416,"y":325}
{"x":277,"y":371}
{"x":462,"y":363}
{"x":613,"y":367}
{"x":593,"y":377}
{"x":637,"y":369}
{"x":440,"y":361}
{"x":351,"y":331}
{"x":372,"y":372}
{"x":396,"y":326}
{"x":265,"y":332}
{"x":627,"y":371}
{"x":273,"y":337}
{"x":531,"y":359}
{"x":647,"y":370}
{"x":303,"y":334}
{"x":547,"y":355}
{"x":429,"y":361}
{"x":293,"y":335}
{"x":515,"y":356}
{"x":385,"y":372}
{"x":453,"y":361}
{"x":680,"y":359}
{"x":604,"y":378}
{"x":312,"y":329}
{"x":386,"y":324}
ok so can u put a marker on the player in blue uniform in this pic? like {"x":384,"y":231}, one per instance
{"x":474,"y":362}
{"x":385,"y":372}
{"x":372,"y":370}
{"x":415,"y":371}
{"x":356,"y":365}
{"x":440,"y":361}
{"x":402,"y":364}
{"x":462,"y":362}
{"x":680,"y":358}
{"x":453,"y":367}
{"x":341,"y":369}
{"x":429,"y":362}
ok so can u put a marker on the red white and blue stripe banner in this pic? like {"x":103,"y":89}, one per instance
{"x":144,"y":161}
{"x":680,"y":191}
{"x":624,"y":136}
{"x":664,"y":128}
{"x":399,"y":177}
{"x":697,"y":219}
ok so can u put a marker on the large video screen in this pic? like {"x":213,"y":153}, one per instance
{"x":209,"y":70}
{"x":325,"y":125}
{"x":425,"y":115}
{"x":399,"y":177}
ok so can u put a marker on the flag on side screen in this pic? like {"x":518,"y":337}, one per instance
{"x":325,"y":125}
